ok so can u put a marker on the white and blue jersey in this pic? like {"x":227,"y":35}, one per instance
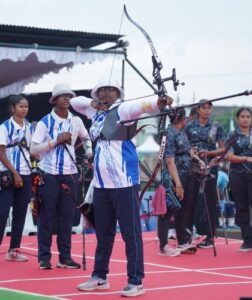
{"x":57,"y":161}
{"x":11,"y":133}
{"x":116,"y":162}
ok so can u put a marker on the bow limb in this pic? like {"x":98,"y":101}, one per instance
{"x":153,"y":50}
{"x":157,"y":65}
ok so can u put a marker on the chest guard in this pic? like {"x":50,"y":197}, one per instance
{"x":112,"y":131}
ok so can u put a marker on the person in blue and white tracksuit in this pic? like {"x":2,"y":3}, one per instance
{"x":53,"y":140}
{"x":116,"y":180}
{"x":15,"y":170}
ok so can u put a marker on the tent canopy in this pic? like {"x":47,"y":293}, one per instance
{"x":27,"y":53}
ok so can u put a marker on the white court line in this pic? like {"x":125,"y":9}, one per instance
{"x":226,"y":268}
{"x":116,"y":260}
{"x":146,"y":263}
{"x":82,"y":276}
{"x":180,"y":269}
{"x":223,"y":274}
{"x":124,"y":274}
{"x":155,"y":239}
{"x":157,"y":288}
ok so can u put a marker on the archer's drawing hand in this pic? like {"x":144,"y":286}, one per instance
{"x":99,"y":105}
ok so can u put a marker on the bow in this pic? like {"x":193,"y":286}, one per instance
{"x":161,"y":92}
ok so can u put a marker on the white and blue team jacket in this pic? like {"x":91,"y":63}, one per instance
{"x":57,"y":161}
{"x":116,"y":162}
{"x":10,"y":134}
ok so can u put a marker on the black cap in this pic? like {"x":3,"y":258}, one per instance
{"x":204,"y":101}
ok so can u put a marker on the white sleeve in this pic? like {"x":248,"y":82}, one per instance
{"x":133,"y":109}
{"x":39,"y":149}
{"x":82,"y":105}
{"x":3,"y":135}
{"x":40,"y":133}
{"x":82,"y":131}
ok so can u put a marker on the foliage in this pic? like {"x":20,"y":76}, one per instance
{"x":225,"y":118}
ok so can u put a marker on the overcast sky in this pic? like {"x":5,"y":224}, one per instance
{"x":208,"y":42}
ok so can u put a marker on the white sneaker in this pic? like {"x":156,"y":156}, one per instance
{"x":187,"y":248}
{"x":15,"y":255}
{"x":172,"y":235}
{"x":133,"y":290}
{"x":197,"y":236}
{"x":94,"y":283}
{"x":169,"y":251}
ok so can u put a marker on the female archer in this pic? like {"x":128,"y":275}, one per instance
{"x":15,"y":165}
{"x":116,"y":181}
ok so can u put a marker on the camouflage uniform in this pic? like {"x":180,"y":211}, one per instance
{"x":204,"y":138}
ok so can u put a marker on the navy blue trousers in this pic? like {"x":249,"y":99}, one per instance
{"x":56,"y":206}
{"x":19,"y":200}
{"x":120,"y":204}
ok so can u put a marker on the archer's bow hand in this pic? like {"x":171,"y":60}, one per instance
{"x":163,"y":101}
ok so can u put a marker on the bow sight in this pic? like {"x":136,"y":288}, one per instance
{"x":173,"y":78}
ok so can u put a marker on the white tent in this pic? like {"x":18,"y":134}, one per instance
{"x":28,"y":53}
{"x":22,"y":66}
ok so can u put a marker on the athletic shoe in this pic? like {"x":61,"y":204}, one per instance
{"x":197,"y":236}
{"x":133,"y":290}
{"x":245,"y":247}
{"x":172,"y":235}
{"x":15,"y":255}
{"x":206,"y":243}
{"x":168,"y":251}
{"x":68,"y":264}
{"x":45,"y":265}
{"x":186,"y":248}
{"x":94,"y":283}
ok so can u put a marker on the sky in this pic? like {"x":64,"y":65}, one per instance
{"x":208,"y":42}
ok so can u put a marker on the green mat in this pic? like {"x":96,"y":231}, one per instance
{"x":8,"y":294}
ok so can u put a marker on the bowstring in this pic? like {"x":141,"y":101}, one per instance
{"x":113,"y":61}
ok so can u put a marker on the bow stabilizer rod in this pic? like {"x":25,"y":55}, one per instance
{"x":171,"y":110}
